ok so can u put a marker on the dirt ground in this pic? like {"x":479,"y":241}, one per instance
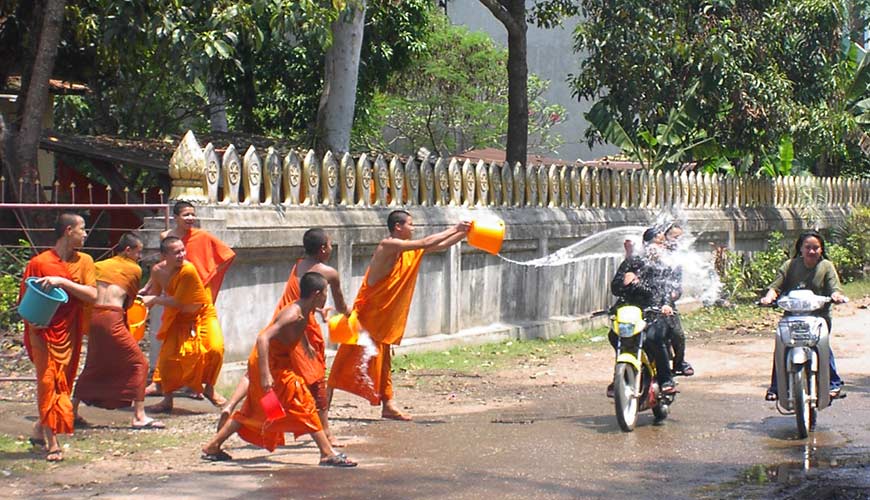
{"x":109,"y":451}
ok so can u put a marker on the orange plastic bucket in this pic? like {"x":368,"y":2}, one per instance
{"x":136,"y":316}
{"x":344,"y":329}
{"x":487,"y":235}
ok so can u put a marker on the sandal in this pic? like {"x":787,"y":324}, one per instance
{"x":338,"y":460}
{"x":149,"y":423}
{"x":669,"y":388}
{"x":37,"y":442}
{"x":684,"y":369}
{"x":220,"y":456}
{"x":771,"y":395}
{"x":837,"y":392}
{"x":54,"y":455}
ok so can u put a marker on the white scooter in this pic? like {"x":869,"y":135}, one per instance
{"x":801,"y":359}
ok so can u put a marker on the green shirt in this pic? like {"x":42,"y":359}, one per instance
{"x":795,"y":275}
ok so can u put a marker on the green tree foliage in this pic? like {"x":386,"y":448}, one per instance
{"x":152,"y":64}
{"x":764,"y":70}
{"x":746,"y":278}
{"x":452,"y":98}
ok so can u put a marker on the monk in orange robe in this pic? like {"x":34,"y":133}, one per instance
{"x":55,"y":348}
{"x":318,"y":249}
{"x":211,"y":258}
{"x":270,"y":373}
{"x":382,"y":305}
{"x":116,"y":371}
{"x":190,"y":355}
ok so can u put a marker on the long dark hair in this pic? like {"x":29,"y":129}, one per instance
{"x":803,"y":237}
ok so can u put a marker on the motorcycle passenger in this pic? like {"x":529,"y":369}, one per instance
{"x":677,"y":335}
{"x":638,"y":282}
{"x":809,"y":269}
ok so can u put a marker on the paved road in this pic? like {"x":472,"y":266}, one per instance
{"x":563,"y":440}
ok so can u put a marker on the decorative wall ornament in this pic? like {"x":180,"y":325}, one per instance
{"x":187,"y":171}
{"x":231,"y":166}
{"x":454,"y":175}
{"x":481,"y":176}
{"x":347,"y":180}
{"x":382,"y":181}
{"x":365,"y":185}
{"x":273,"y":177}
{"x":532,"y":186}
{"x":495,"y":184}
{"x":412,"y":182}
{"x":519,"y":176}
{"x":292,"y":178}
{"x":311,"y":175}
{"x":427,"y":183}
{"x":212,"y":172}
{"x":442,"y":183}
{"x":507,"y":184}
{"x":329,"y":180}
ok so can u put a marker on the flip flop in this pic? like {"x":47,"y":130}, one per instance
{"x":150,"y":423}
{"x":220,"y":456}
{"x":54,"y":455}
{"x":339,"y":460}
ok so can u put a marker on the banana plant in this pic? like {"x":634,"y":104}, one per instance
{"x":659,"y":145}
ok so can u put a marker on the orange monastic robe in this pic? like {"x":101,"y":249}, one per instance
{"x":115,"y":370}
{"x":301,"y":412}
{"x":55,"y":350}
{"x":211,"y":258}
{"x":382,"y":310}
{"x":312,"y":370}
{"x":192,"y":351}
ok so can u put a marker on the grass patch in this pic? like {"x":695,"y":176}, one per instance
{"x":493,"y":356}
{"x":857,"y":289}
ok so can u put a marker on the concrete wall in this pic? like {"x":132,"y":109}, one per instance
{"x":462,"y":294}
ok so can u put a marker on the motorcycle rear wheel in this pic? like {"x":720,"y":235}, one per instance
{"x":625,"y":396}
{"x":804,"y":411}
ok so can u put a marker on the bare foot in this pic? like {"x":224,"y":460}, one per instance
{"x":213,"y":396}
{"x":222,"y":420}
{"x":333,"y":441}
{"x":396,"y":415}
{"x":54,"y":455}
{"x":162,"y":407}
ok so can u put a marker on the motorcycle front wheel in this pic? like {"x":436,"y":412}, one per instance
{"x":624,"y":396}
{"x":804,"y":410}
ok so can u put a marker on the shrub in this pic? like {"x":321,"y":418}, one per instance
{"x":853,"y":235}
{"x":12,"y":262}
{"x":746,"y":278}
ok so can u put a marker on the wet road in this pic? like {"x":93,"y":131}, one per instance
{"x":562,"y":441}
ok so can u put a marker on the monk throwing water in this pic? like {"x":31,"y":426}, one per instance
{"x":55,"y":348}
{"x":318,"y":249}
{"x":382,"y":305}
{"x":270,"y":372}
{"x":115,"y":370}
{"x":211,"y":258}
{"x":192,"y":351}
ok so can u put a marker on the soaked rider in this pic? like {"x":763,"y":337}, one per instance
{"x":638,"y":282}
{"x":674,"y":280}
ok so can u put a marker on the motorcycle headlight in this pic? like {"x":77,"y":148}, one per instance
{"x":626,"y":329}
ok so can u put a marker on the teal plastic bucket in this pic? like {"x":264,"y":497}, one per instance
{"x":38,"y":306}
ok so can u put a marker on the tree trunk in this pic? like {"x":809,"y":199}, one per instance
{"x":341,"y":72}
{"x":518,"y":94}
{"x":217,"y":108}
{"x":512,"y":14}
{"x":35,"y":97}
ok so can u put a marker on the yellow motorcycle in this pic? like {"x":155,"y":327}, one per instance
{"x":634,"y":378}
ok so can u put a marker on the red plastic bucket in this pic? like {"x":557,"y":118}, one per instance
{"x":272,"y":406}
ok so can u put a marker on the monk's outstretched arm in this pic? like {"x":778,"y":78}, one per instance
{"x":447,"y":242}
{"x":85,"y":293}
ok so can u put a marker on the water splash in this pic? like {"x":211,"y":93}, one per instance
{"x":370,"y":350}
{"x":608,"y":243}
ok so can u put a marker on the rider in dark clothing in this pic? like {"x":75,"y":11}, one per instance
{"x":641,"y":282}
{"x":674,"y":280}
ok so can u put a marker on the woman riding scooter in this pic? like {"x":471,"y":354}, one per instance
{"x":809,"y":270}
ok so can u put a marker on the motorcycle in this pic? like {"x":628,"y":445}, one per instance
{"x":801,"y":358}
{"x":634,"y":377}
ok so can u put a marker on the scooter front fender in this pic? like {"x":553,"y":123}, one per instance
{"x":629,"y":359}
